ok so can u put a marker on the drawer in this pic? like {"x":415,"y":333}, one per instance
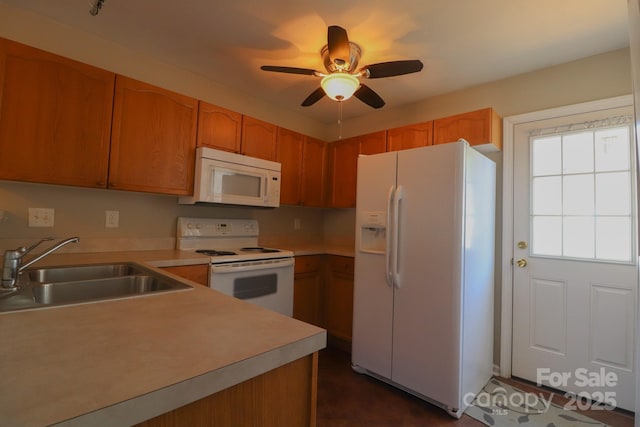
{"x":308,"y":263}
{"x":341,"y":265}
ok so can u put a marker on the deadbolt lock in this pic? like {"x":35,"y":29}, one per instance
{"x":522,"y":245}
{"x":521,"y":263}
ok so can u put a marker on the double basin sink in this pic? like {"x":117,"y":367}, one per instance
{"x":64,"y":285}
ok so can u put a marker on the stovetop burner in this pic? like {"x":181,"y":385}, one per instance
{"x":213,"y":252}
{"x":259,"y":249}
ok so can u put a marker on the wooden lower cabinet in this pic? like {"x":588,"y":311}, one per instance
{"x":283,"y":397}
{"x":339,"y":301}
{"x":197,"y":273}
{"x":307,"y":285}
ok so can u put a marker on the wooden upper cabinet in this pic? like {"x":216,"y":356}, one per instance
{"x":344,"y":165}
{"x":219,"y":128}
{"x":343,"y":158}
{"x":153,"y":139}
{"x":412,"y":136}
{"x":55,"y":118}
{"x":259,"y":139}
{"x":372,"y":143}
{"x":289,"y":154}
{"x":314,"y":164}
{"x":477,"y":127}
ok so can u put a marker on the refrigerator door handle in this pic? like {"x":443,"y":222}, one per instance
{"x":388,"y":251}
{"x":397,"y":222}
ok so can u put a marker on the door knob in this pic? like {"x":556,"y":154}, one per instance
{"x":521,"y":262}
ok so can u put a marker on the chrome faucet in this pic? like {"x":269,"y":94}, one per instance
{"x":13,"y":266}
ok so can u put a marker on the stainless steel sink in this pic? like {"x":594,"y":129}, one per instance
{"x":64,"y":285}
{"x":82,"y":272}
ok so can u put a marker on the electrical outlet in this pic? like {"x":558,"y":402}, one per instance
{"x":41,"y":217}
{"x":296,"y":223}
{"x":112,"y":219}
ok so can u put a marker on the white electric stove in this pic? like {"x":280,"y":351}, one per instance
{"x":239,"y":266}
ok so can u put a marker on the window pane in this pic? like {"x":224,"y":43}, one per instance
{"x":578,"y":198}
{"x":577,"y":153}
{"x":612,"y":149}
{"x":546,"y":156}
{"x":547,"y":195}
{"x":613,"y":237}
{"x":578,"y":237}
{"x":613,"y":193}
{"x":547,"y":235}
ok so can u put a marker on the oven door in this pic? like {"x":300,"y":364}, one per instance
{"x":267,"y":283}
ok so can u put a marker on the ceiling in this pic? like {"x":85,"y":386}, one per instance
{"x":462,"y":43}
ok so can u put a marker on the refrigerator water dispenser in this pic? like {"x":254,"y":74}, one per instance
{"x":373,"y":232}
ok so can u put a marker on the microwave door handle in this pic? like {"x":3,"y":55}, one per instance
{"x":265,"y":180}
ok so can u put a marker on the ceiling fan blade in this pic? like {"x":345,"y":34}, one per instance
{"x":338,"y":44}
{"x":393,"y":68}
{"x":315,"y":96}
{"x":368,"y":96}
{"x":289,"y":70}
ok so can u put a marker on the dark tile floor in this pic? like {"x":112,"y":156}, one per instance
{"x":348,"y":399}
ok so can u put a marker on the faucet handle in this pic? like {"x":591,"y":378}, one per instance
{"x":25,"y":251}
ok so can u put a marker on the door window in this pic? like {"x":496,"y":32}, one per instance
{"x":581,"y":194}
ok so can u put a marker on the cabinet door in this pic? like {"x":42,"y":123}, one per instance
{"x":373,"y":143}
{"x":290,"y":147}
{"x":344,"y":158}
{"x":154,"y":139}
{"x":314,"y":163}
{"x":477,"y":127}
{"x":340,"y":297}
{"x":306,"y":290}
{"x":259,"y":139}
{"x":197,"y":273}
{"x":219,"y":128}
{"x":55,"y":118}
{"x":418,"y":135}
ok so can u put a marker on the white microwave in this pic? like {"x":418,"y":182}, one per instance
{"x":233,"y":179}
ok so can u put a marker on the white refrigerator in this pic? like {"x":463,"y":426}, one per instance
{"x":424,"y":272}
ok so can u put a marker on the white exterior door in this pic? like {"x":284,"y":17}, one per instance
{"x":575,"y":272}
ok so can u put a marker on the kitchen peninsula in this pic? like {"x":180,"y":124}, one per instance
{"x":193,"y":355}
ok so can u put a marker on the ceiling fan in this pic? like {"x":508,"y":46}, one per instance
{"x":341,"y":81}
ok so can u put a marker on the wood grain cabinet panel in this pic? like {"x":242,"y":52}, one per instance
{"x":314,"y":165}
{"x":412,"y":136}
{"x":289,"y":153}
{"x":259,"y":139}
{"x":196,"y":273}
{"x":55,"y":118}
{"x":344,"y":158}
{"x":479,"y":127}
{"x":344,"y":164}
{"x":153,"y":139}
{"x":339,"y":304}
{"x":306,"y":289}
{"x":283,"y":397}
{"x":219,"y":128}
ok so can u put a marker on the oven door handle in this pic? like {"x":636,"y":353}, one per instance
{"x":249,"y":266}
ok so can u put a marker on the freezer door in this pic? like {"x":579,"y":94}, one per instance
{"x":373,"y":295}
{"x":427,"y":312}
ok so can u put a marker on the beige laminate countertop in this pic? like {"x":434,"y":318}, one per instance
{"x":124,"y":361}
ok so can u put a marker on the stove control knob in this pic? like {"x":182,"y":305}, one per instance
{"x":198,"y":226}
{"x":189,"y":225}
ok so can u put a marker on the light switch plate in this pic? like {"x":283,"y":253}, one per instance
{"x":41,"y":217}
{"x":112,"y":219}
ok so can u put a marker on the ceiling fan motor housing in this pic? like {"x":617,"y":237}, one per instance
{"x":348,"y":67}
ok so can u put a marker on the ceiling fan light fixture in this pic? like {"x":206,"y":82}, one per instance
{"x":339,"y":86}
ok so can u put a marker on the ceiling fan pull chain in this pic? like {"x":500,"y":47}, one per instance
{"x":339,"y":120}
